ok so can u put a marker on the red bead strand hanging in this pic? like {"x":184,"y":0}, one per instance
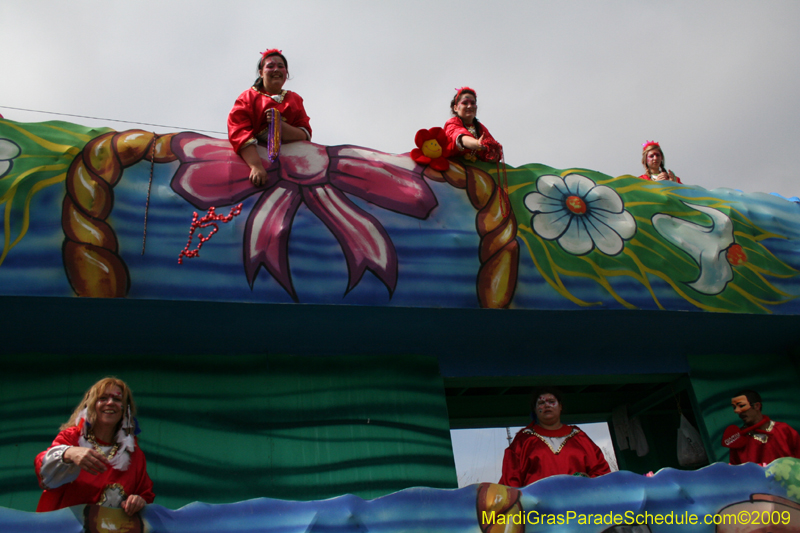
{"x":210,"y":219}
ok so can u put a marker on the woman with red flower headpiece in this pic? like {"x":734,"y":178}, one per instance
{"x":653,"y":163}
{"x":96,"y":458}
{"x":249,"y":122}
{"x":465,"y":133}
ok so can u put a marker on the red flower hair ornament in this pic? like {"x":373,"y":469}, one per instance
{"x":650,"y":144}
{"x":464,"y":89}
{"x":271,"y":52}
{"x":431,"y":149}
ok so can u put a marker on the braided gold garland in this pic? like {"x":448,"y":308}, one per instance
{"x":497,"y":228}
{"x":91,"y":250}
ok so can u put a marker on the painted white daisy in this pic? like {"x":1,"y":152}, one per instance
{"x":8,"y":151}
{"x":580,"y":214}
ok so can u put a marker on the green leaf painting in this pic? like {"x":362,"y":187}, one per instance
{"x":32,"y":158}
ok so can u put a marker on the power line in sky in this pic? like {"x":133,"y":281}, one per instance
{"x":112,"y":120}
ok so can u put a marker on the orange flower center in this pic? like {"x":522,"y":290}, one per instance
{"x":576,"y":205}
{"x":736,"y":255}
{"x":431,"y":148}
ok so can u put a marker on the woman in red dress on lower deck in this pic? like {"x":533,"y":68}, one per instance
{"x":549,"y":448}
{"x":96,"y":459}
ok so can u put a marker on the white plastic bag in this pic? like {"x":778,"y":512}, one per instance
{"x":690,"y":445}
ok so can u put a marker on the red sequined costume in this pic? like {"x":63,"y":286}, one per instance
{"x":454,"y":128}
{"x":647,"y":177}
{"x":537,"y":453}
{"x":66,"y":484}
{"x":246,"y":121}
{"x":782,"y":441}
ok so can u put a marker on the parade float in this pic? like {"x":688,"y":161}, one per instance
{"x":300,"y":350}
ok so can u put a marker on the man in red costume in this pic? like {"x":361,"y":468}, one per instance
{"x":764,"y":440}
{"x":548,"y":448}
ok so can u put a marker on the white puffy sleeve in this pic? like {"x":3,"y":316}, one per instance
{"x":54,"y":472}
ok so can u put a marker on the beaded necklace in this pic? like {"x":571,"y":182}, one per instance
{"x":273,"y":134}
{"x":97,"y":448}
{"x":277,"y":97}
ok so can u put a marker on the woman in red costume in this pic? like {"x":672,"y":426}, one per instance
{"x":548,"y":448}
{"x":466,"y":135}
{"x":95,"y":459}
{"x":653,"y":163}
{"x":248,"y":122}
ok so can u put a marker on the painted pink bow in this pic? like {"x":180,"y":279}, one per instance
{"x":212,"y":174}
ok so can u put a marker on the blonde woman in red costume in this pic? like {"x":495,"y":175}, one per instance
{"x":653,"y":163}
{"x":248,"y":122}
{"x":466,"y":135}
{"x":96,"y":459}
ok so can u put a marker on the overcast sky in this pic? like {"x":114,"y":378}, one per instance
{"x":566,"y":84}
